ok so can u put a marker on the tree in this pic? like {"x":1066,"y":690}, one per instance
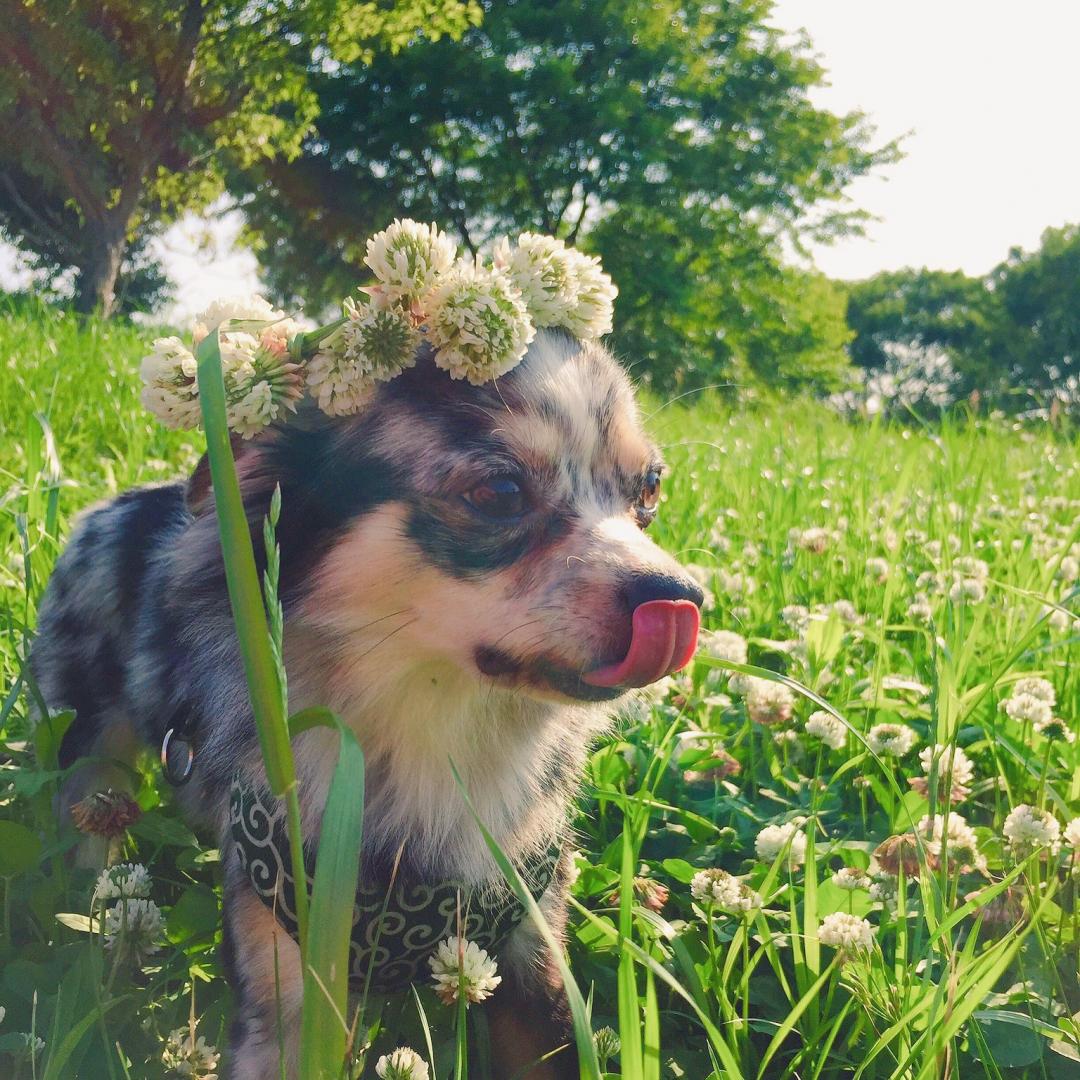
{"x":119,"y":114}
{"x":1039,"y":335}
{"x":932,"y":312}
{"x":676,"y":139}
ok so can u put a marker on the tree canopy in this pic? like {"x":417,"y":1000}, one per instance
{"x":1016,"y":329}
{"x":118,"y":114}
{"x":677,"y":140}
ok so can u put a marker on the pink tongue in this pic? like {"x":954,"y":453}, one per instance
{"x":664,"y":638}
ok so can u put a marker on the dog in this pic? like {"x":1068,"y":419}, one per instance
{"x":465,"y":575}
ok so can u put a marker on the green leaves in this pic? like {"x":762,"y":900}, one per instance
{"x":324,"y":1029}
{"x":324,"y":943}
{"x":20,"y":848}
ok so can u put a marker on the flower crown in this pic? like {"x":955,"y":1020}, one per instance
{"x":479,"y":319}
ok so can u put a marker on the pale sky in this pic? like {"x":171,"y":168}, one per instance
{"x":988,"y":90}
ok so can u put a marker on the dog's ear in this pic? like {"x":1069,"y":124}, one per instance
{"x":199,"y":492}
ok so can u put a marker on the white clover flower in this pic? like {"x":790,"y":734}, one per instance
{"x":461,"y":966}
{"x":773,"y":839}
{"x":607,"y":1043}
{"x":851,"y":878}
{"x":965,"y":589}
{"x":919,"y":610}
{"x":33,"y":1044}
{"x":1057,"y":619}
{"x":877,"y":569}
{"x":767,"y":702}
{"x":251,"y":308}
{"x":1036,"y":687}
{"x":815,"y":540}
{"x":1072,"y":834}
{"x":187,"y":1056}
{"x":726,"y":645}
{"x":542,"y":268}
{"x":715,"y":886}
{"x":846,"y":610}
{"x":401,"y":1064}
{"x":954,"y":838}
{"x":891,"y":740}
{"x":846,"y":932}
{"x":883,"y":889}
{"x":1056,"y":729}
{"x":253,"y":409}
{"x":1027,"y":828}
{"x":170,"y":390}
{"x":827,"y":728}
{"x":260,"y":383}
{"x":377,"y":342}
{"x":971,"y":567}
{"x":950,"y":760}
{"x":797,"y":616}
{"x":408,"y":258}
{"x":134,"y":926}
{"x":125,"y":881}
{"x":591,"y":316}
{"x":1027,"y":708}
{"x":477,"y":323}
{"x":1069,"y":569}
{"x":736,"y":585}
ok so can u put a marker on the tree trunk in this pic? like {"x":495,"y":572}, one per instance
{"x":95,"y":289}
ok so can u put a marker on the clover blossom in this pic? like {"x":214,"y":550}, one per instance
{"x":845,"y":932}
{"x":891,"y":740}
{"x":403,"y":1063}
{"x":133,"y":927}
{"x":774,"y":839}
{"x":716,"y":886}
{"x":826,"y":727}
{"x":125,"y":881}
{"x":408,"y":257}
{"x":376,"y":342}
{"x":462,"y":967}
{"x":1027,"y":828}
{"x":477,"y":323}
{"x":189,"y":1056}
{"x":542,"y":269}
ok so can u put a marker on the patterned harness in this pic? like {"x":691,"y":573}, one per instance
{"x":396,"y":927}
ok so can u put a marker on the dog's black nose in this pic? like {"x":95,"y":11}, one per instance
{"x":641,"y":588}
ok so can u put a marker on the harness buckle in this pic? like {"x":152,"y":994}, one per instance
{"x":177,"y":757}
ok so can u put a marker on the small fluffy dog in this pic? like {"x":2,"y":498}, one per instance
{"x":466,"y":575}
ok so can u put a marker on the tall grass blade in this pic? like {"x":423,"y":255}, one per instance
{"x":590,"y":1066}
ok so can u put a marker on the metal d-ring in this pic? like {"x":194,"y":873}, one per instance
{"x":173,"y":744}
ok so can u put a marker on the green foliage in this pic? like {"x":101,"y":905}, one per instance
{"x":1009,"y":335}
{"x":922,"y":310}
{"x":970,"y":976}
{"x":676,"y":140}
{"x":121,"y":114}
{"x":1038,"y":293}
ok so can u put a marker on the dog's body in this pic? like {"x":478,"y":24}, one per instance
{"x":456,"y":561}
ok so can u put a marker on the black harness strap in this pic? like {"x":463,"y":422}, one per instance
{"x":396,"y":927}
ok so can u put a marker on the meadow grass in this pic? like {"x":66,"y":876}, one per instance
{"x":902,"y":574}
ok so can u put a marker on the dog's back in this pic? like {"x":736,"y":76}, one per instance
{"x":87,"y":621}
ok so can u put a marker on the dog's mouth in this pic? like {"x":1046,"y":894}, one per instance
{"x":663,"y":639}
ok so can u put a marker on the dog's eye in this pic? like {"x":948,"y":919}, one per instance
{"x":497,"y":497}
{"x":650,"y":490}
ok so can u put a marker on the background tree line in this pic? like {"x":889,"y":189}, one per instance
{"x":675,"y":138}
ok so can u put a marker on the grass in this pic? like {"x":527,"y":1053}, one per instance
{"x":972,"y":967}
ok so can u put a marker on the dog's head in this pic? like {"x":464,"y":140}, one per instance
{"x":498,"y":531}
